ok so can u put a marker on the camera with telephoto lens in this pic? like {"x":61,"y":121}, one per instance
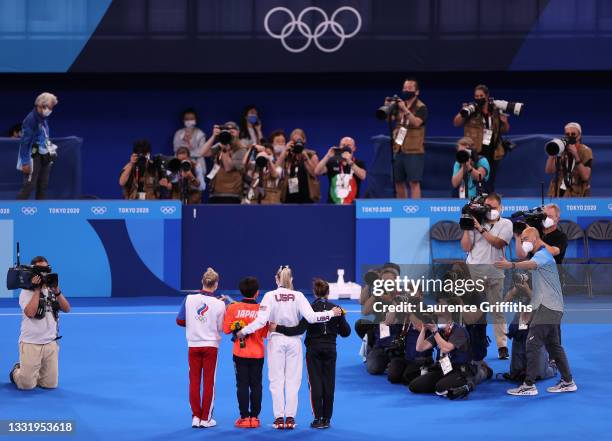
{"x":388,"y":110}
{"x":465,"y":155}
{"x":468,"y":110}
{"x":533,"y":218}
{"x":477,"y":209}
{"x":508,"y":107}
{"x":556,"y":146}
{"x":225,"y":136}
{"x":298,"y":147}
{"x":261,"y":160}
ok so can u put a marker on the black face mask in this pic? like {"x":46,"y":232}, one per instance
{"x":571,"y":140}
{"x":407,"y":94}
{"x":481,"y":102}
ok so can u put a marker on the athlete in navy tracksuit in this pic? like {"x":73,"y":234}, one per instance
{"x":320,"y":354}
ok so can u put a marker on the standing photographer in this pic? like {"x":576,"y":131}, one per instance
{"x":38,"y":348}
{"x":262,"y":177}
{"x":36,"y":152}
{"x":483,"y":122}
{"x":485,"y":246}
{"x":139,"y":177}
{"x":571,"y":166}
{"x":186,"y":184}
{"x":409,"y":141}
{"x":345,"y":173}
{"x":470,"y":169}
{"x":299,"y":164}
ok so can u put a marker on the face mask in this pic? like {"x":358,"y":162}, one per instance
{"x":46,"y":112}
{"x":493,"y":214}
{"x":189,"y":123}
{"x":408,"y":94}
{"x":252,"y":119}
{"x":279,"y":148}
{"x":481,"y":101}
{"x":548,"y":222}
{"x":527,"y":247}
{"x":571,"y":140}
{"x":441,"y":325}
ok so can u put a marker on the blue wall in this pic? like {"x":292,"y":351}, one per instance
{"x":110,"y":111}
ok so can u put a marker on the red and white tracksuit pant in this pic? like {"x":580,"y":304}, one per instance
{"x":202,"y":363}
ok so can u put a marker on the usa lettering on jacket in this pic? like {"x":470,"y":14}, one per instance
{"x":284,"y":297}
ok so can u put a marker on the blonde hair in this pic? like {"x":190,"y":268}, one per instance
{"x":45,"y":98}
{"x":554,"y":207}
{"x":300,"y":132}
{"x":466,"y":140}
{"x":284,"y":277}
{"x":210,"y":278}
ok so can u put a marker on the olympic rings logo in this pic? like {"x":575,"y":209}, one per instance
{"x":410,"y":209}
{"x":167,"y":210}
{"x":29,"y":211}
{"x":310,"y":35}
{"x":98,"y":210}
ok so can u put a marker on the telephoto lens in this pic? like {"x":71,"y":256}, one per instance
{"x":463,"y":156}
{"x":261,"y":160}
{"x":555,"y":147}
{"x":186,"y":166}
{"x":298,"y":146}
{"x":468,"y":110}
{"x":225,"y":137}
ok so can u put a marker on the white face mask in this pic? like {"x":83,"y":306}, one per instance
{"x":189,"y":123}
{"x":442,"y":325}
{"x":493,"y":214}
{"x":548,"y":222}
{"x":279,"y":148}
{"x":46,"y":112}
{"x":527,"y":247}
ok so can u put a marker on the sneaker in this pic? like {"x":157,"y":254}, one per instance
{"x":563,"y":386}
{"x":317,"y":423}
{"x":207,"y":424}
{"x":290,"y":423}
{"x":326,"y":423}
{"x":523,"y":389}
{"x":243,"y":423}
{"x":503,"y":353}
{"x":195,"y":422}
{"x":15,"y":366}
{"x":279,"y":423}
{"x":255,"y":423}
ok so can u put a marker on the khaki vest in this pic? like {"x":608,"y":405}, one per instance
{"x":579,"y":188}
{"x":414,"y":142}
{"x":474,"y":129}
{"x":150,"y":188}
{"x":227,"y":183}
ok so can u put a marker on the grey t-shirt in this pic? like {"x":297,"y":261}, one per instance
{"x":483,"y":255}
{"x":36,"y":331}
{"x":545,"y":281}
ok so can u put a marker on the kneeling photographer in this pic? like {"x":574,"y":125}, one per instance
{"x":38,"y":348}
{"x":485,"y":245}
{"x":470,"y":170}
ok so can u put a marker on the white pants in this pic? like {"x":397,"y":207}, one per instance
{"x":285,"y":362}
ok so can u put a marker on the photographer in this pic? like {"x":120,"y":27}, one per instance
{"x":251,"y":130}
{"x":483,"y":122}
{"x":299,"y":164}
{"x":36,"y":151}
{"x":186,"y":184}
{"x":263,"y":177}
{"x":228,"y":159}
{"x":140,"y":178}
{"x":345,"y":173}
{"x":409,"y":141}
{"x":547,"y":305}
{"x":571,"y":167}
{"x":553,"y":239}
{"x":191,"y":137}
{"x":38,"y":348}
{"x":470,"y":169}
{"x":485,"y":245}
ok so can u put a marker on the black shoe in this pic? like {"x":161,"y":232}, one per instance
{"x":290,"y":423}
{"x":16,"y":366}
{"x":503,"y":353}
{"x":317,"y":423}
{"x":326,"y":423}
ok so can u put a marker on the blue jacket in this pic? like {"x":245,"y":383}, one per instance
{"x":35,"y":131}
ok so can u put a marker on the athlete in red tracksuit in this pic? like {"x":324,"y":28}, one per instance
{"x":202,"y":316}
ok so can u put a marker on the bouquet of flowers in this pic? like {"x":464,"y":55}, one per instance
{"x":235,"y":327}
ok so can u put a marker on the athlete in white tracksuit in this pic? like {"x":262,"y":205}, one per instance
{"x":285,"y":306}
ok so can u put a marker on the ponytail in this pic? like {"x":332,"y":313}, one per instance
{"x":284,"y":277}
{"x":320,"y":288}
{"x":210,"y":278}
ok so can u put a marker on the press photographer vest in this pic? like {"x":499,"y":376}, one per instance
{"x":130,"y":191}
{"x":227,"y":183}
{"x":474,"y":129}
{"x":414,"y":141}
{"x":194,"y":194}
{"x":272,"y":191}
{"x":577,"y":187}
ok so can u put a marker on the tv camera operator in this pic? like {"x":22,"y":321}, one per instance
{"x":485,"y":236}
{"x":141,"y":178}
{"x":41,"y":303}
{"x":484,"y":121}
{"x":546,"y":221}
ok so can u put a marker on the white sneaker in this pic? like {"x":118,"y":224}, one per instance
{"x":195,"y":422}
{"x":563,"y":386}
{"x":207,"y":424}
{"x":523,"y":390}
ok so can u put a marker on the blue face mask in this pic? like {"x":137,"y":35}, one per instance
{"x":252,"y":119}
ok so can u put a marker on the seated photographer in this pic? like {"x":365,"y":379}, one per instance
{"x":228,"y":159}
{"x":140,"y":178}
{"x":484,"y":123}
{"x":553,"y":238}
{"x":485,"y":245}
{"x":186,"y":183}
{"x":345,"y":173}
{"x":38,"y":348}
{"x":571,"y":166}
{"x":469,"y":171}
{"x":452,"y":375}
{"x":299,"y":163}
{"x":251,"y":131}
{"x":262,"y":177}
{"x":191,"y":137}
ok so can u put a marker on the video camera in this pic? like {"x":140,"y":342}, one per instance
{"x":20,"y":276}
{"x":504,"y":106}
{"x":556,"y":146}
{"x":533,"y":218}
{"x":387,"y":110}
{"x":477,"y":209}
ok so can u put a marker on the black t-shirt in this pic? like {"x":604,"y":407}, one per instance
{"x":298,"y":169}
{"x":333,"y":170}
{"x":557,"y":238}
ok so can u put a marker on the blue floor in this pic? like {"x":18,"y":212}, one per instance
{"x":123,"y":375}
